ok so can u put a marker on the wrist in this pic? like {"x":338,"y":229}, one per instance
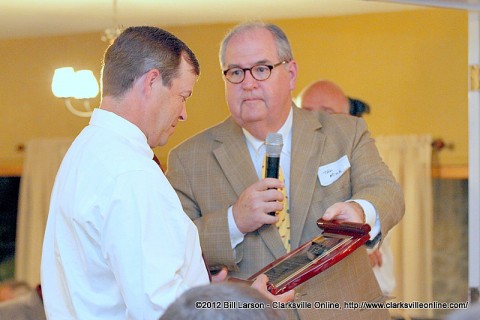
{"x":359,"y":211}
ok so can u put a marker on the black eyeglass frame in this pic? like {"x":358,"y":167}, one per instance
{"x":270,"y":68}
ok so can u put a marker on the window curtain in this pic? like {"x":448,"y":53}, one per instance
{"x":42,"y":160}
{"x":409,"y":159}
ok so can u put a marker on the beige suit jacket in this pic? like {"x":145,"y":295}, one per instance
{"x":210,"y":170}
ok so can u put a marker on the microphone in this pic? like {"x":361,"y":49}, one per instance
{"x":273,"y":149}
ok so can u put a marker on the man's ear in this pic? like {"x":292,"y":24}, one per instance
{"x":150,"y":78}
{"x":293,"y":69}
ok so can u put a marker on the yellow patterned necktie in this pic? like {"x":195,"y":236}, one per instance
{"x":283,"y":223}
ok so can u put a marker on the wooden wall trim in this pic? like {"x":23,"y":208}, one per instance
{"x":438,"y":172}
{"x":450,"y":172}
{"x":10,"y":170}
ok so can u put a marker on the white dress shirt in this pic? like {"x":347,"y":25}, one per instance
{"x":256,"y":148}
{"x":117,"y":244}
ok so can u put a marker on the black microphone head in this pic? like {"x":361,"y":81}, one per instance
{"x":273,"y":145}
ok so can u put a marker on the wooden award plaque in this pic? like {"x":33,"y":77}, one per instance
{"x":336,"y":242}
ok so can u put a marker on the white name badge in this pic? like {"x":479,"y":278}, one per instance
{"x":329,"y":173}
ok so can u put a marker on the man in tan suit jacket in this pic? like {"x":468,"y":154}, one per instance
{"x":217,"y":177}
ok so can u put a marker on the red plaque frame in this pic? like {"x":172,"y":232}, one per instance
{"x":338,"y":240}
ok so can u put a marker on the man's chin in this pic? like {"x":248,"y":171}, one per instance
{"x":162,"y":140}
{"x":250,"y":117}
{"x":254,"y":111}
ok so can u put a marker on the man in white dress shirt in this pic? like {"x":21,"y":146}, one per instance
{"x":118,"y":244}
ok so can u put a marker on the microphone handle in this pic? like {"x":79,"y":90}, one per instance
{"x":271,"y":171}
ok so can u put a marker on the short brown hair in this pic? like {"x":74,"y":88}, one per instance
{"x":140,"y":49}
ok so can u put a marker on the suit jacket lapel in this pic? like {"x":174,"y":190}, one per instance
{"x":307,"y":145}
{"x":234,"y":158}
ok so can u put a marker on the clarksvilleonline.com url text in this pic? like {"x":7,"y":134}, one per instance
{"x":405,"y":305}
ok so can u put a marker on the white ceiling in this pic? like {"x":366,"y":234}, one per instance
{"x":33,"y":18}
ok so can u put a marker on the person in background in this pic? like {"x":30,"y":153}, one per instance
{"x":27,"y":306}
{"x":230,"y":301}
{"x":324,"y":95}
{"x":329,"y":97}
{"x":331,"y":168}
{"x":11,"y":289}
{"x":117,"y":243}
{"x":358,"y":107}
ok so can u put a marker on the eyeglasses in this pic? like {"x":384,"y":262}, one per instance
{"x":260,"y":72}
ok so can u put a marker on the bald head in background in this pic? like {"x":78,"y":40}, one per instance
{"x":326,"y":96}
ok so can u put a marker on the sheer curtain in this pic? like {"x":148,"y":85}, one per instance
{"x":42,"y":159}
{"x":409,"y":159}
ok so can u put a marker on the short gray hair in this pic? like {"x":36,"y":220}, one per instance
{"x":284,"y":51}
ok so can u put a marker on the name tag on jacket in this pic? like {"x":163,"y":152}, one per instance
{"x":330,"y":173}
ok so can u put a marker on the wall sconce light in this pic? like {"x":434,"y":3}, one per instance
{"x":82,"y":84}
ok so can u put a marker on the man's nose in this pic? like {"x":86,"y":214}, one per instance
{"x":249,"y":81}
{"x":183,"y":115}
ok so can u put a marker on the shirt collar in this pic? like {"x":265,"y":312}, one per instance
{"x":121,"y":127}
{"x":284,"y":131}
